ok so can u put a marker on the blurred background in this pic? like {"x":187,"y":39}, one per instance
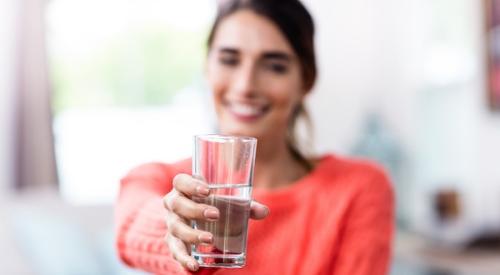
{"x":90,"y":89}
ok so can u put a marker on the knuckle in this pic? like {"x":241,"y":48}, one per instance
{"x":166,"y":199}
{"x":169,"y":222}
{"x":177,"y":180}
{"x":184,"y":210}
{"x":197,"y":212}
{"x":169,"y":241}
{"x":174,"y":204}
{"x":175,"y":254}
{"x":169,"y":200}
{"x":184,"y":235}
{"x":173,"y":229}
{"x":193,"y":212}
{"x":182,"y":261}
{"x":185,"y":263}
{"x":170,"y":244}
{"x":192,"y":238}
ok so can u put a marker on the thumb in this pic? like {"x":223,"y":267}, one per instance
{"x":258,"y":211}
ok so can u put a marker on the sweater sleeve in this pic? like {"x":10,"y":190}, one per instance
{"x":139,"y":220}
{"x":367,"y":235}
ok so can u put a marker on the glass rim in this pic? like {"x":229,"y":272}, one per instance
{"x":224,"y":138}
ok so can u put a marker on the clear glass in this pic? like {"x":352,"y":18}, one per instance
{"x":226,"y":164}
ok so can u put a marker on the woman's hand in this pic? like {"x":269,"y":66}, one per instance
{"x":181,"y":209}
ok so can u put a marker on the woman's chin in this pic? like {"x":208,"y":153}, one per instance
{"x":236,"y":131}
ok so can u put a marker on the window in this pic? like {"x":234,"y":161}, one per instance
{"x":128,"y":87}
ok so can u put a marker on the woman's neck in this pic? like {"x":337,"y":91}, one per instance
{"x":275,"y":166}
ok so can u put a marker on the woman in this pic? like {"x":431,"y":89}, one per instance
{"x":327,"y":215}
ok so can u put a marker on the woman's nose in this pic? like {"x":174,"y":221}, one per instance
{"x":245,"y":82}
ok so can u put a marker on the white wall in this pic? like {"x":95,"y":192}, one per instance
{"x":387,"y":55}
{"x":7,"y":44}
{"x":484,"y":180}
{"x":367,"y":53}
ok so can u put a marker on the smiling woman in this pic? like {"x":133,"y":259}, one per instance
{"x":320,"y":214}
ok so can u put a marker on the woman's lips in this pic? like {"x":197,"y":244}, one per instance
{"x":246,"y":112}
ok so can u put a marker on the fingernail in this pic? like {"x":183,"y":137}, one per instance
{"x":267,"y":210}
{"x":205,"y":237}
{"x":192,"y":266}
{"x":202,"y":190}
{"x":211,"y":214}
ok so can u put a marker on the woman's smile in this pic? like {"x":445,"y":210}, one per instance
{"x":246,"y":112}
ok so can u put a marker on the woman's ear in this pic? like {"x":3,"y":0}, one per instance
{"x":304,"y":94}
{"x":306,"y":88}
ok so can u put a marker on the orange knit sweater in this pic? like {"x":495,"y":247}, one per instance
{"x":336,"y":220}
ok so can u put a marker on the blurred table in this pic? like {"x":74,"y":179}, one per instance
{"x":430,"y":258}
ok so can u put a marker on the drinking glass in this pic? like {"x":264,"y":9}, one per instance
{"x":226,"y":164}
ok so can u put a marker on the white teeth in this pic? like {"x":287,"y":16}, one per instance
{"x":245,"y":110}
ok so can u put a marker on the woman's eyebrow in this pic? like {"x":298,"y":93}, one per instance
{"x":277,"y":55}
{"x":228,"y":50}
{"x":273,"y":55}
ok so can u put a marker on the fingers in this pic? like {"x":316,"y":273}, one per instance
{"x":258,"y":211}
{"x":180,"y":253}
{"x":178,"y":228}
{"x":179,"y":236}
{"x":179,"y":202}
{"x":189,"y":209}
{"x":189,"y":186}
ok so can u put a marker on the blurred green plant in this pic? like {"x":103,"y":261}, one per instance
{"x":136,"y":68}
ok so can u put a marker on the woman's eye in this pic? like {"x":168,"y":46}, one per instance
{"x":277,"y":68}
{"x":228,"y":61}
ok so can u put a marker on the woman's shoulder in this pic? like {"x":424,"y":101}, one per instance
{"x":353,"y":172}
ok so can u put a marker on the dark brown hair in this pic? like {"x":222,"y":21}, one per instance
{"x":296,"y":24}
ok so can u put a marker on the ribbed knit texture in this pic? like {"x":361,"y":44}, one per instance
{"x":336,"y":220}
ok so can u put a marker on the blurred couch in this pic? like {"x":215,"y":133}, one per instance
{"x":43,"y":235}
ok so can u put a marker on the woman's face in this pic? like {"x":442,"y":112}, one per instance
{"x":255,"y":77}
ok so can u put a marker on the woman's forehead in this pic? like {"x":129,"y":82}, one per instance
{"x":249,"y":32}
